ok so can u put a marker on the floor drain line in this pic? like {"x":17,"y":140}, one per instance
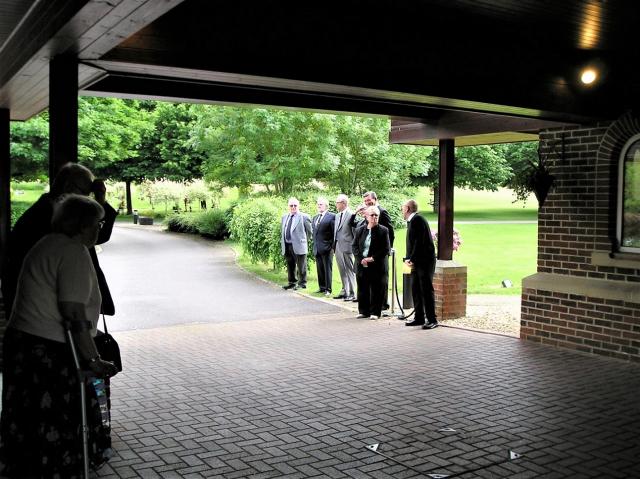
{"x":433,"y":475}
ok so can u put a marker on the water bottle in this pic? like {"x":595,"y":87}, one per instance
{"x":101,"y":394}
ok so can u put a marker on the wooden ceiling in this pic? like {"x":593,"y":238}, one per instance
{"x":475,"y":68}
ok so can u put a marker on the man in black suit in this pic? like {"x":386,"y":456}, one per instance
{"x":421,"y":258}
{"x":323,"y":225}
{"x":371,"y":249}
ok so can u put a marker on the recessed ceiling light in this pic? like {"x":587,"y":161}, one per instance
{"x":588,"y":76}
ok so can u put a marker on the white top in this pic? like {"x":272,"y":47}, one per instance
{"x":56,"y":269}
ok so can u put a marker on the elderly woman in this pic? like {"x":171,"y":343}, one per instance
{"x":371,"y":248}
{"x":40,"y":426}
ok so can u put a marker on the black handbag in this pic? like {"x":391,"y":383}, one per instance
{"x":107,"y":346}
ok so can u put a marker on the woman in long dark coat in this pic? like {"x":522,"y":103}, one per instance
{"x":371,"y":248}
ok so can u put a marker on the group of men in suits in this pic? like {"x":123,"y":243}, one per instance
{"x":341,"y":234}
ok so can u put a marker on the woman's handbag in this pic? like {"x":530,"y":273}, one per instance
{"x":108,"y":347}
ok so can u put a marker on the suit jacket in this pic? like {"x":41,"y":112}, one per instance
{"x":300,"y":232}
{"x":420,"y":248}
{"x":323,"y":233}
{"x":384,"y":219}
{"x":344,"y":231}
{"x":30,"y":228}
{"x":379,"y":248}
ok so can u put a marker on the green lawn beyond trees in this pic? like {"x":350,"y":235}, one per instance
{"x":492,"y":252}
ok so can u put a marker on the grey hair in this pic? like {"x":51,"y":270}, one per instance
{"x":343,"y":197}
{"x":412,"y":206}
{"x":73,"y":213}
{"x":373,"y":209}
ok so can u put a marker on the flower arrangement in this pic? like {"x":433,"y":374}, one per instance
{"x":457,"y":239}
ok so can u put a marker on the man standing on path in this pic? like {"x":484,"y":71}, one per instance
{"x":323,"y":229}
{"x":296,"y":228}
{"x":421,"y":258}
{"x":343,"y":239}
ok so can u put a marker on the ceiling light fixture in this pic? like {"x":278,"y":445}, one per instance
{"x":588,"y":76}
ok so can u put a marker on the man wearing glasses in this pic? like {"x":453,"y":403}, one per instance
{"x":342,"y":240}
{"x":296,"y":229}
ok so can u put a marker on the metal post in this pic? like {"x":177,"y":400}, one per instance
{"x":83,"y":407}
{"x":393,"y":280}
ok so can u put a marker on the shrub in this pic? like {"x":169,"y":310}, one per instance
{"x":212,"y":224}
{"x":16,"y":211}
{"x":182,"y":223}
{"x":256,"y":226}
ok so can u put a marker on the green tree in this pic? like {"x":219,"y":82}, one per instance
{"x":110,"y":132}
{"x":480,"y":167}
{"x":279,"y":149}
{"x":165,"y":149}
{"x":30,"y":148}
{"x":365,"y":160}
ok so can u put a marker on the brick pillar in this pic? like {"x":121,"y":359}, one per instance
{"x":450,"y":284}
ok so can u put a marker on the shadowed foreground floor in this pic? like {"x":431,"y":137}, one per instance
{"x":304,"y":396}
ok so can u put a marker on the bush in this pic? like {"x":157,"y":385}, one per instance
{"x":182,"y":223}
{"x":16,"y":211}
{"x":256,"y":226}
{"x":213,"y":224}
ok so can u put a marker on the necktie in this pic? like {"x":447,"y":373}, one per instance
{"x":287,"y":234}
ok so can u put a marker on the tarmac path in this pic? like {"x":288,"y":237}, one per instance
{"x":161,"y":279}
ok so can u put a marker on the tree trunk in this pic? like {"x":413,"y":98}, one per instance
{"x":128,"y":195}
{"x":436,"y":199}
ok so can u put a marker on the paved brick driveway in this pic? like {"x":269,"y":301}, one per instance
{"x":303,"y":397}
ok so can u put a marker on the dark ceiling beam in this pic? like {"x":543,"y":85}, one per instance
{"x":195,"y":91}
{"x":87,"y":29}
{"x":459,"y":124}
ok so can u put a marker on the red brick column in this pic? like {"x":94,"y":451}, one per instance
{"x":450,"y":284}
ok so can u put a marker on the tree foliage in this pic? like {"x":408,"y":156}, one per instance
{"x":365,"y":160}
{"x":30,"y":148}
{"x":278,"y":149}
{"x":165,"y":151}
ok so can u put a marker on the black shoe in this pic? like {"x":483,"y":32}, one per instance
{"x":430,"y":325}
{"x":301,"y":286}
{"x":289,"y":286}
{"x":340,"y":296}
{"x":350,"y":298}
{"x":414,"y":323}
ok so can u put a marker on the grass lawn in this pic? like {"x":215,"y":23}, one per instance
{"x":491,"y":252}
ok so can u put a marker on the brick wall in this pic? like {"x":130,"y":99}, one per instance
{"x":582,"y":298}
{"x":450,"y":286}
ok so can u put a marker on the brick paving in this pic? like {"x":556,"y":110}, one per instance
{"x":303,"y":396}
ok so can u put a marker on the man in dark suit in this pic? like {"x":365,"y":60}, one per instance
{"x":296,"y":229}
{"x":323,"y":225}
{"x":421,"y":258}
{"x":35,"y":223}
{"x":371,"y":249}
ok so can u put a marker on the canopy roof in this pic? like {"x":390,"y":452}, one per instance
{"x":477,"y":70}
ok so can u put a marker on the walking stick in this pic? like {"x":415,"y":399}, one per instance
{"x":83,"y":400}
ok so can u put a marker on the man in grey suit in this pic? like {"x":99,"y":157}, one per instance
{"x":296,"y":228}
{"x":342,"y":240}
